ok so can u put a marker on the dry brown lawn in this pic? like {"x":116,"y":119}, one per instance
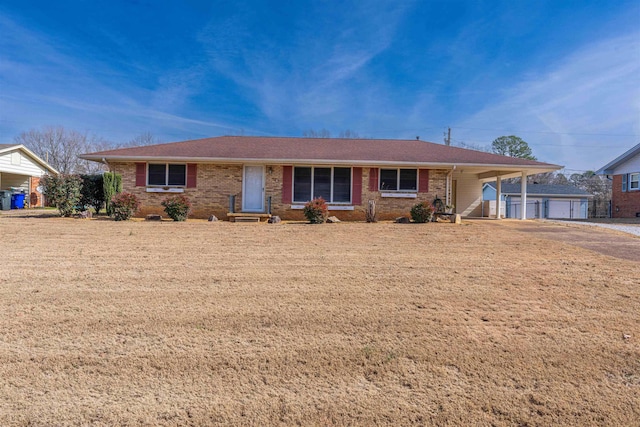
{"x":147,"y":323}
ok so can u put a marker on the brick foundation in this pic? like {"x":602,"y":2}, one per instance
{"x":215,"y":183}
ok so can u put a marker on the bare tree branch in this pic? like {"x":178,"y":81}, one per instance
{"x":61,"y":147}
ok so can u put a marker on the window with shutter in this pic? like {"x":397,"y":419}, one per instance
{"x":331,"y":183}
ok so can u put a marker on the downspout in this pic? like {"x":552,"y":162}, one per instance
{"x":448,"y":186}
{"x":610,"y":208}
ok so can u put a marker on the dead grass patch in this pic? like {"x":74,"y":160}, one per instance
{"x":163,"y":323}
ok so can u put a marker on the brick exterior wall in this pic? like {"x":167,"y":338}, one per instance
{"x":35,"y":197}
{"x":216,"y":182}
{"x":624,"y":204}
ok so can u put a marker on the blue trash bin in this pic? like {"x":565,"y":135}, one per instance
{"x":17,"y":201}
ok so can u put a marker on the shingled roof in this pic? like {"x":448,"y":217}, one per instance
{"x":313,"y":150}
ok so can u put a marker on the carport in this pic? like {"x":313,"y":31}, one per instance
{"x":20,"y":173}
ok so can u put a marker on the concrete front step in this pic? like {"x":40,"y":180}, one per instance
{"x":247,"y":217}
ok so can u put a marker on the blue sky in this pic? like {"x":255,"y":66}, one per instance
{"x":563,"y":75}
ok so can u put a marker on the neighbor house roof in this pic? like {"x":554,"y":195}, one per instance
{"x":609,"y":168}
{"x":314,"y":150}
{"x":11,"y":147}
{"x":542,"y":189}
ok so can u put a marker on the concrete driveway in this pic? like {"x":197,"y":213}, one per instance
{"x":606,"y":241}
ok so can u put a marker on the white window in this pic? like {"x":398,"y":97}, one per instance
{"x":634,"y":181}
{"x":332,"y":184}
{"x":167,"y":174}
{"x":398,"y":179}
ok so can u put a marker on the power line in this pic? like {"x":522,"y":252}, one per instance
{"x":607,"y":145}
{"x":550,"y":132}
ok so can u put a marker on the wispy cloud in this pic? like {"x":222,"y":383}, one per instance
{"x":317,"y":74}
{"x":45,"y":83}
{"x":587,"y":103}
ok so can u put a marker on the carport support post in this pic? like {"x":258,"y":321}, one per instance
{"x":523,"y":196}
{"x":498,"y":196}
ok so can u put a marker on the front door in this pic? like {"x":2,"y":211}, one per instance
{"x":253,"y":189}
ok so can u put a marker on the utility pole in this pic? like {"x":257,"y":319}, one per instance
{"x":447,"y":140}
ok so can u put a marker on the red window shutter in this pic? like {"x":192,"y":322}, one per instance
{"x":141,"y":174}
{"x":192,"y":172}
{"x":287,"y":183}
{"x":356,"y":187}
{"x":423,"y":180}
{"x":373,"y":179}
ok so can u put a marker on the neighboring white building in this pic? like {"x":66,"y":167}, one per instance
{"x":21,"y":170}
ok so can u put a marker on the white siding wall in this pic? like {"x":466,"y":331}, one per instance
{"x":19,"y":164}
{"x":630,"y":166}
{"x":469,"y":195}
{"x":489,"y":209}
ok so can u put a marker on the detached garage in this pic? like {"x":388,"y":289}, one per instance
{"x":543,"y":200}
{"x":20,"y":173}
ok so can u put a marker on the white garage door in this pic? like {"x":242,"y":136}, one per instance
{"x":569,"y":208}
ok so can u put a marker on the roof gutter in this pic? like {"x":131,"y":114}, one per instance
{"x":544,"y":166}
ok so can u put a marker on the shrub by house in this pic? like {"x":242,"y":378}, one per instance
{"x":177,"y":207}
{"x":124,"y":206}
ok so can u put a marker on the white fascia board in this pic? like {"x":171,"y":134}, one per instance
{"x":250,"y":160}
{"x":431,"y":165}
{"x":609,"y":168}
{"x":31,"y":154}
{"x":9,"y":148}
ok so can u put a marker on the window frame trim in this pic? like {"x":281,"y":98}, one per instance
{"x":398,"y":180}
{"x":293,"y":179}
{"x":166,"y":175}
{"x":630,"y":180}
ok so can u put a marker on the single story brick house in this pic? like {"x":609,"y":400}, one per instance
{"x":277,"y":175}
{"x":21,"y":170}
{"x":625,"y":173}
{"x":543,"y":201}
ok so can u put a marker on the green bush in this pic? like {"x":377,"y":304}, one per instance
{"x":316,"y":211}
{"x":62,"y":191}
{"x":124,"y":206}
{"x":177,"y":207}
{"x":112,"y":185}
{"x":92,"y":193}
{"x":422,"y":212}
